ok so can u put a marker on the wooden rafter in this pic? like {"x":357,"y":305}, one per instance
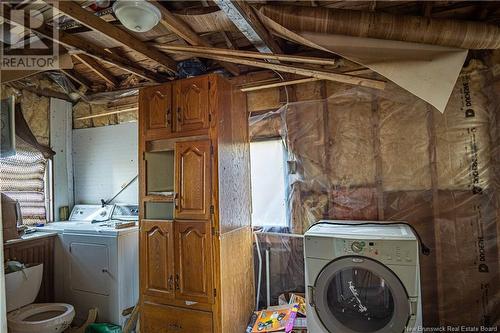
{"x":245,"y":19}
{"x":95,"y":67}
{"x":268,"y":85}
{"x":320,"y":74}
{"x":74,"y":11}
{"x":78,"y":78}
{"x":184,"y":31}
{"x":250,"y":54}
{"x":73,"y":42}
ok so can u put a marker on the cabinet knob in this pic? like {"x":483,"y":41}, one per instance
{"x":177,"y":282}
{"x":171,"y":283}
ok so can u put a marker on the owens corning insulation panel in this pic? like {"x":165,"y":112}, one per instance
{"x":387,"y":155}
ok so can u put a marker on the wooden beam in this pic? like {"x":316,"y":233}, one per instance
{"x":280,"y":84}
{"x":94,"y":66}
{"x":266,"y":85}
{"x":74,"y":42}
{"x":74,"y":11}
{"x":324,"y":75}
{"x":112,"y":111}
{"x":184,"y":31}
{"x":77,"y":77}
{"x":250,"y":54}
{"x":245,"y":19}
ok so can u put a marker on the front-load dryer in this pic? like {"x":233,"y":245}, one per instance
{"x":362,"y":278}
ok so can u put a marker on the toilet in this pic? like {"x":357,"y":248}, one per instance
{"x":23,"y":317}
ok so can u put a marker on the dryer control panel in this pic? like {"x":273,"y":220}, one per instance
{"x":398,"y":252}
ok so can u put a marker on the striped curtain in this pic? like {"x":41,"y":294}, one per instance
{"x":22,"y":179}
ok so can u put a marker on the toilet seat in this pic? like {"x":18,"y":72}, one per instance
{"x":41,"y":318}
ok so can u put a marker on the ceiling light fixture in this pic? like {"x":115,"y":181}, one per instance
{"x":137,"y":15}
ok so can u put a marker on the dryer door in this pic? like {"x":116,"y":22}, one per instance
{"x":360,"y":295}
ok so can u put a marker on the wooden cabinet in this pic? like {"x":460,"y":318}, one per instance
{"x":191,"y":104}
{"x":193,"y":261}
{"x":157,"y":259}
{"x":192,"y":164}
{"x":194,"y":178}
{"x":155,"y":108}
{"x":176,"y":261}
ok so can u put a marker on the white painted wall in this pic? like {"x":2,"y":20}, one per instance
{"x":104,"y":160}
{"x":61,"y":123}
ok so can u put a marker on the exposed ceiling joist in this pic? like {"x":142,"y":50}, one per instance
{"x":77,"y":77}
{"x":74,"y":42}
{"x":184,"y":31}
{"x":250,"y":54}
{"x":245,"y":19}
{"x":77,"y":13}
{"x":320,"y":74}
{"x":94,"y":66}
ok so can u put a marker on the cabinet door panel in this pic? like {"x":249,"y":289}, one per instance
{"x":157,"y":259}
{"x":193,"y":261}
{"x":169,"y":319}
{"x":191,"y":104}
{"x":156,"y":109}
{"x":192,"y":180}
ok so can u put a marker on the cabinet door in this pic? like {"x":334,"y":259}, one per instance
{"x":156,"y":109}
{"x":192,"y":165}
{"x":157,"y":259}
{"x":193,"y":261}
{"x":191,"y":104}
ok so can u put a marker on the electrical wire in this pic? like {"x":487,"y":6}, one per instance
{"x":423,"y":248}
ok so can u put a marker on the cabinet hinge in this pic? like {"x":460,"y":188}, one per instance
{"x":215,"y":292}
{"x":211,"y":149}
{"x":209,"y":117}
{"x":143,"y":155}
{"x":212,"y":209}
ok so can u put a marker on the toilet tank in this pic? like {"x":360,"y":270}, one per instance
{"x":22,"y":286}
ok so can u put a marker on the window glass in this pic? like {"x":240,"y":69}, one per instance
{"x":268,"y":174}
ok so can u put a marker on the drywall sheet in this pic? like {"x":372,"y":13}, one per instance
{"x":104,"y":160}
{"x":362,"y":154}
{"x":418,"y":68}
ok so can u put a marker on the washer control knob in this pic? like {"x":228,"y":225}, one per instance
{"x":357,"y":246}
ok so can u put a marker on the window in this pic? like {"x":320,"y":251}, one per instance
{"x":268,"y":183}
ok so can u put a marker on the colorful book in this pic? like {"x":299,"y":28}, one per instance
{"x":276,"y":319}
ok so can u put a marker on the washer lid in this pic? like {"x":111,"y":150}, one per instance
{"x":360,"y":295}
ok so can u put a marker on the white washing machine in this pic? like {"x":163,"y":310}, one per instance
{"x":96,"y":261}
{"x":362,"y":278}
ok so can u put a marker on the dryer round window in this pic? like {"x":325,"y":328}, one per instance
{"x":356,"y":294}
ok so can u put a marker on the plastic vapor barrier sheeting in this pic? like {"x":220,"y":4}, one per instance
{"x":362,"y":154}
